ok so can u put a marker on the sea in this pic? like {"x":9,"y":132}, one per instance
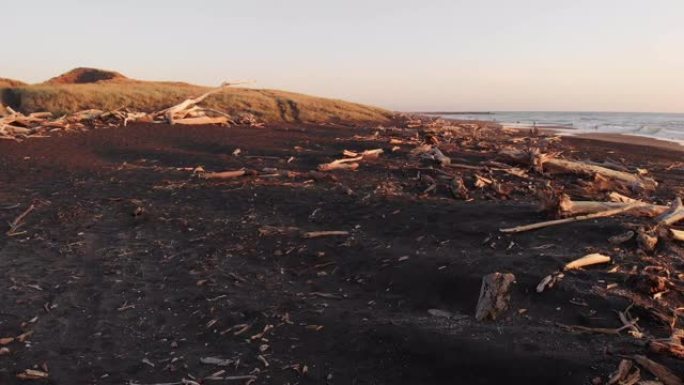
{"x":663,"y":126}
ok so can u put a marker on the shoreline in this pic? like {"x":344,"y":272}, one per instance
{"x":632,"y":140}
{"x":615,"y":138}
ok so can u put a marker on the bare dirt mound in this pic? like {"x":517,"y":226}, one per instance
{"x":8,"y":83}
{"x":83,"y":75}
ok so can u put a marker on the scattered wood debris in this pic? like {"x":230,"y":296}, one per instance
{"x":17,"y":126}
{"x":547,"y":162}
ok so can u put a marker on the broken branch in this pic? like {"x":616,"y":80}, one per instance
{"x":555,"y":222}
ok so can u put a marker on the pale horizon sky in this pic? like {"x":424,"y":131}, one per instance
{"x":488,"y":55}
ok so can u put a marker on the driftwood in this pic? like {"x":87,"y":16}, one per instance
{"x":568,"y":207}
{"x":677,"y":234}
{"x":318,"y":234}
{"x":586,"y":329}
{"x":180,"y":110}
{"x":549,"y":163}
{"x":439,"y":157}
{"x":350,"y":163}
{"x":494,"y":295}
{"x":549,"y":281}
{"x":15,"y":125}
{"x":18,"y":221}
{"x":664,"y":374}
{"x":202,"y":120}
{"x":624,"y":375}
{"x":341,"y":164}
{"x":458,"y":188}
{"x":366,"y":154}
{"x":621,"y":238}
{"x":647,"y":240}
{"x":432,"y":153}
{"x":670,"y":348}
{"x":673,"y":215}
{"x":32,"y":374}
{"x":555,"y":222}
{"x":223,"y":174}
{"x":587,"y":260}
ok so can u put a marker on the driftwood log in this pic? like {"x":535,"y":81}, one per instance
{"x":341,"y":164}
{"x":555,"y":222}
{"x":223,"y":174}
{"x":319,"y":234}
{"x":673,"y":215}
{"x":677,"y":234}
{"x":626,"y":373}
{"x":433,"y":154}
{"x":567,"y":207}
{"x":350,"y":163}
{"x":548,"y":163}
{"x":587,"y":260}
{"x":664,"y":374}
{"x":673,"y":349}
{"x":175,"y":114}
{"x":16,"y":126}
{"x":494,"y":295}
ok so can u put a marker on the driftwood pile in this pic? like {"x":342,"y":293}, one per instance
{"x":16,"y":126}
{"x":571,"y":191}
{"x":449,"y":161}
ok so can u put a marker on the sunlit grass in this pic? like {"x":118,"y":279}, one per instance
{"x":266,"y":105}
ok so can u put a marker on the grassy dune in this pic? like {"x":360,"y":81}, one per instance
{"x":266,"y":105}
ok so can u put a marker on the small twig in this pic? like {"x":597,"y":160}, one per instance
{"x":586,"y":329}
{"x":181,"y":382}
{"x":317,"y":234}
{"x":17,"y":222}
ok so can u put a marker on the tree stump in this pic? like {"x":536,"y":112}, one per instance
{"x":494,"y":295}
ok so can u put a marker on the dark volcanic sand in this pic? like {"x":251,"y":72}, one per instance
{"x":111,"y":290}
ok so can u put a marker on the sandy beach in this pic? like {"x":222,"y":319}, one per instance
{"x":133,"y":268}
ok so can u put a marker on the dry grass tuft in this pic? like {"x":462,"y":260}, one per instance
{"x":7,"y":83}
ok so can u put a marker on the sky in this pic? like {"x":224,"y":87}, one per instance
{"x":423,"y":55}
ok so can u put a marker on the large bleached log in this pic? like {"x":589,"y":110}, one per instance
{"x":545,"y":162}
{"x":572,"y":167}
{"x":171,"y":113}
{"x":568,"y":207}
{"x":494,"y":295}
